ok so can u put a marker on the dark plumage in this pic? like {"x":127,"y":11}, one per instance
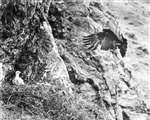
{"x":107,"y":39}
{"x":123,"y":46}
{"x":125,"y":116}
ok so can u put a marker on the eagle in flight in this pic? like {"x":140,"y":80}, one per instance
{"x":108,"y":41}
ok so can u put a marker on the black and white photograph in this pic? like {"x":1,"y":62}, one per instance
{"x":74,"y":60}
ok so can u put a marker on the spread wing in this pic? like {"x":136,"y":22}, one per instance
{"x":92,"y":41}
{"x":107,"y":39}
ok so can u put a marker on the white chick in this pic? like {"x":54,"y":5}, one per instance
{"x":17,"y":80}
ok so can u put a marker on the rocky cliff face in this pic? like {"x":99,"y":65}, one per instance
{"x":66,"y":79}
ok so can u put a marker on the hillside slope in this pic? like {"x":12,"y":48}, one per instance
{"x":66,"y":79}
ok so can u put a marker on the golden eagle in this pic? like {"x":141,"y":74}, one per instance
{"x":107,"y":39}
